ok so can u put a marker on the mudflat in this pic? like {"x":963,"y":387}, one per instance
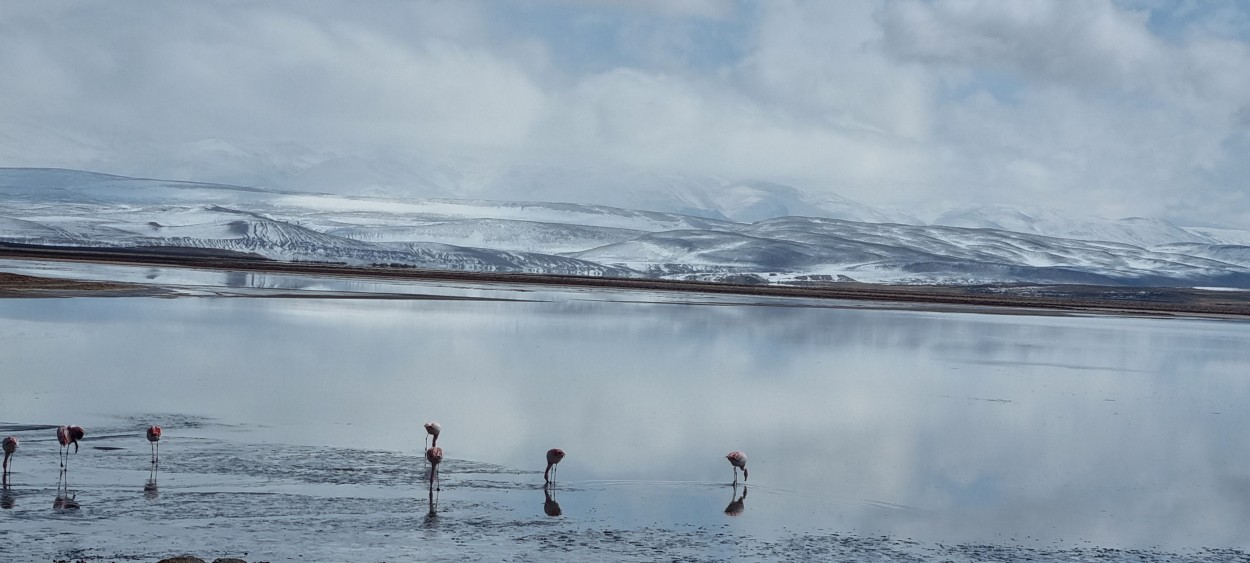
{"x":17,"y":285}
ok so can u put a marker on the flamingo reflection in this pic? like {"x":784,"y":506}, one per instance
{"x":64,"y":497}
{"x":550,"y":506}
{"x":736,"y":503}
{"x":7,"y":500}
{"x":433,"y":512}
{"x":150,"y":489}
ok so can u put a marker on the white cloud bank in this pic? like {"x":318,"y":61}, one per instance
{"x":1119,"y":108}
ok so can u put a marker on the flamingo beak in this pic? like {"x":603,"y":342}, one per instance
{"x":75,"y":446}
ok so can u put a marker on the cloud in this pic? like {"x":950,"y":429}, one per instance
{"x":1096,"y":107}
{"x":264,"y":72}
{"x":1113,"y":108}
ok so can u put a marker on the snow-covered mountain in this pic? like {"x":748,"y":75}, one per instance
{"x":484,"y":177}
{"x":991,"y":244}
{"x":499,"y":177}
{"x":1032,"y":220}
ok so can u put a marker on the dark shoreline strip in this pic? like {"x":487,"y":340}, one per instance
{"x":1070,"y":298}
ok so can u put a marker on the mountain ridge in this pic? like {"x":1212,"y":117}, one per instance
{"x":76,"y":208}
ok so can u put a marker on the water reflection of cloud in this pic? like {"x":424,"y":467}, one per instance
{"x":855,"y":411}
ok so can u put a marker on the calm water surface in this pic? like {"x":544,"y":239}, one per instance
{"x":293,"y":427}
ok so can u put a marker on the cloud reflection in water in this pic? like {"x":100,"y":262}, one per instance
{"x":947,"y":426}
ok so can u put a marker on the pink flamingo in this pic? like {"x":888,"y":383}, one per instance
{"x":434,"y":455}
{"x":433,"y":429}
{"x":154,"y":437}
{"x":67,"y":435}
{"x":10,"y":446}
{"x":738,"y":460}
{"x":554,"y":455}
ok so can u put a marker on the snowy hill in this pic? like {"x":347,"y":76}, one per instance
{"x":1134,"y":230}
{"x":910,"y":254}
{"x":73,"y":208}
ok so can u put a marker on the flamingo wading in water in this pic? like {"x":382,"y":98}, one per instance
{"x":10,"y":446}
{"x":67,"y":435}
{"x":154,"y":437}
{"x":554,"y":455}
{"x":433,"y":429}
{"x":738,"y":460}
{"x":434,"y":455}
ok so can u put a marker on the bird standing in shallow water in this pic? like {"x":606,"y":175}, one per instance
{"x":67,"y":435}
{"x":554,"y":455}
{"x":62,"y":437}
{"x":434,"y":455}
{"x":154,"y":437}
{"x":10,"y":446}
{"x":739,"y":461}
{"x":433,"y":429}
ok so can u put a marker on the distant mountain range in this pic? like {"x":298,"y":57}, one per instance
{"x":713,"y":230}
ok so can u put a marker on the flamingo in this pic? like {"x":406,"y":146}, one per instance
{"x":738,"y":460}
{"x":10,"y":446}
{"x":67,"y":435}
{"x":433,"y":429}
{"x":554,"y":455}
{"x":62,"y":436}
{"x":154,"y":436}
{"x":434,"y":455}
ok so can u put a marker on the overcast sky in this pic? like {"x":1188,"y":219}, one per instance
{"x":1115,"y":108}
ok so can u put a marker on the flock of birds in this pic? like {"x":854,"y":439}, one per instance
{"x":434,"y":455}
{"x":70,"y":435}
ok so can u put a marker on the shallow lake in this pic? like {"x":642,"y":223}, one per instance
{"x":293,"y":426}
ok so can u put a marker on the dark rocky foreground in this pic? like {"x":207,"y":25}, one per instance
{"x":1058,"y":298}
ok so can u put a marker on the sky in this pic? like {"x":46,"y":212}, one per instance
{"x":1112,"y":108}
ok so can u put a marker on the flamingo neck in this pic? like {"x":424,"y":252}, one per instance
{"x":547,"y":473}
{"x":6,"y":461}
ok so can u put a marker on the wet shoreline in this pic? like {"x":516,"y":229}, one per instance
{"x":1055,"y":299}
{"x":206,"y":489}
